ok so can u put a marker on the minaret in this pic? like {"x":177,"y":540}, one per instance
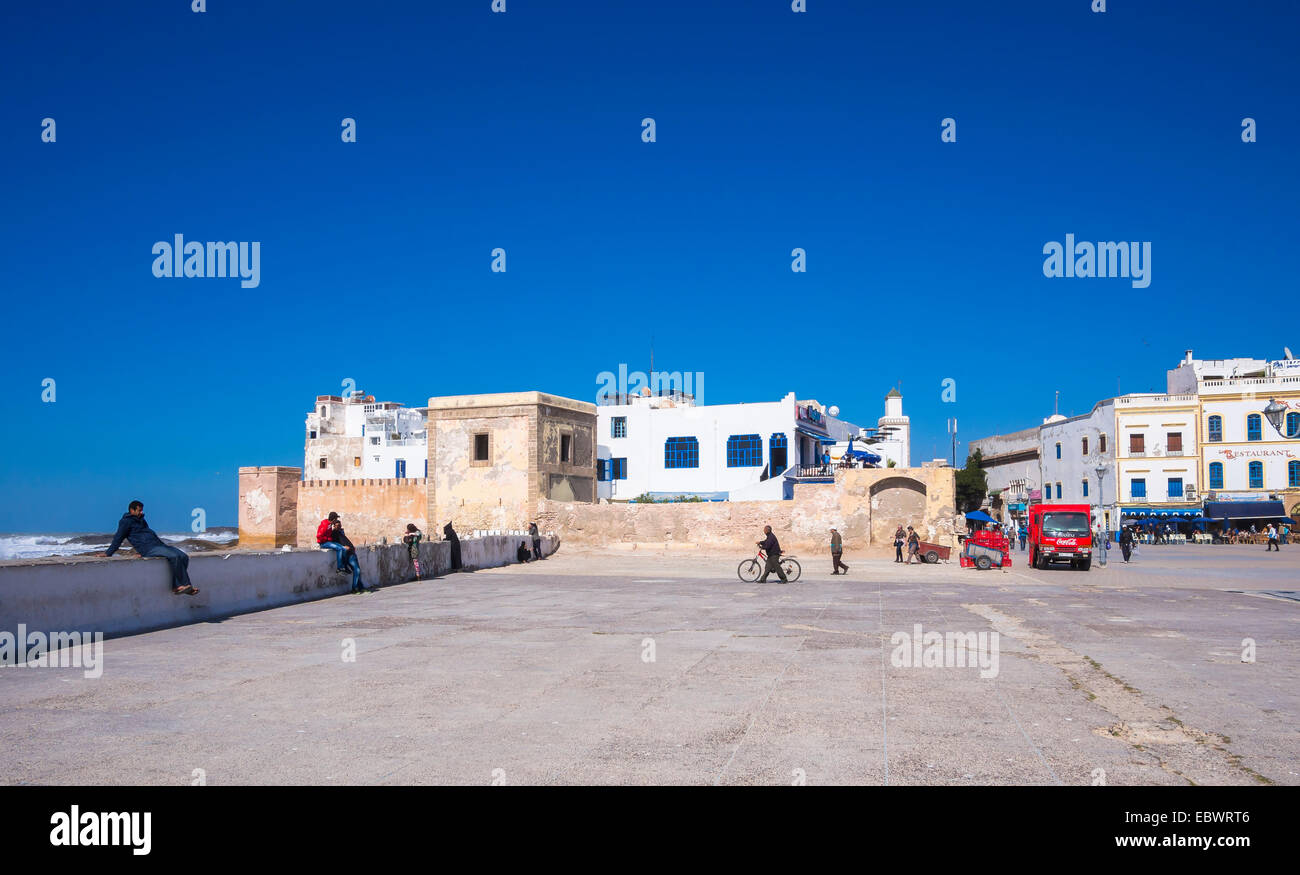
{"x":901,"y":436}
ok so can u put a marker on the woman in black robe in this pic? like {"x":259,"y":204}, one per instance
{"x":450,"y":534}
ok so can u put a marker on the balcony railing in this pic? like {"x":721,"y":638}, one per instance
{"x":812,"y":471}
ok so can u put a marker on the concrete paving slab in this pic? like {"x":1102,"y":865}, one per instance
{"x":543,"y":674}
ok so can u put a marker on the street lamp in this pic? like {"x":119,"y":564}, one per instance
{"x":1276,"y":415}
{"x":1101,"y":510}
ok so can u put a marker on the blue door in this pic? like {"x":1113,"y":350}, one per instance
{"x":401,"y":468}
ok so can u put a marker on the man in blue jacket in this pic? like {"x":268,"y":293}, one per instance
{"x":148,"y":545}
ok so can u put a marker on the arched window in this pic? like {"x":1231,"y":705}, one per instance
{"x":1215,"y":429}
{"x":744,"y":451}
{"x":1293,"y":425}
{"x":1256,"y":475}
{"x":777,"y":453}
{"x":682,"y":452}
{"x":1254,"y":427}
{"x":1216,"y":475}
{"x":1293,"y":474}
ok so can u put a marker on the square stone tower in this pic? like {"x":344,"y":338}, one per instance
{"x":491,"y":457}
{"x":268,"y":506}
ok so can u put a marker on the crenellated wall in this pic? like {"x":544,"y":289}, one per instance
{"x":371,"y":510}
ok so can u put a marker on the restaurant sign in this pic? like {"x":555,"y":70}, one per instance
{"x":1254,"y":454}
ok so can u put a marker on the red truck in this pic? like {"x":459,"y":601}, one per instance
{"x":1060,"y":533}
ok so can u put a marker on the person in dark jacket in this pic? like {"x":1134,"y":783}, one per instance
{"x":522,"y":553}
{"x":148,"y":545}
{"x":837,"y":553}
{"x":537,"y":539}
{"x":772,"y":548}
{"x":450,"y":534}
{"x":1126,"y":542}
{"x":347,"y":553}
{"x":900,"y":539}
{"x":412,"y":540}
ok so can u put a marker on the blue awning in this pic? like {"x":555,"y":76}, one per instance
{"x":980,"y":516}
{"x":1244,"y":510}
{"x":824,"y":438}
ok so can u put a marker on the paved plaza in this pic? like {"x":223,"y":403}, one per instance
{"x":644,"y":668}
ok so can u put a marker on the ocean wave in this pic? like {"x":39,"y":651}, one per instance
{"x":39,"y":545}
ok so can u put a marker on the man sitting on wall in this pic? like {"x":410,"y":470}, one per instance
{"x":330,"y":536}
{"x":148,"y":545}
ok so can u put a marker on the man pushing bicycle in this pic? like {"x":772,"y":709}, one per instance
{"x":772,"y":548}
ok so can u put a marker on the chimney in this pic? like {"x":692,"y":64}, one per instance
{"x":1187,"y":356}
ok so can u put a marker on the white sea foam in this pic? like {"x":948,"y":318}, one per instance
{"x":36,"y":545}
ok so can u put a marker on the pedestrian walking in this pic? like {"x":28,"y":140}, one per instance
{"x":772,"y":549}
{"x":450,"y":534}
{"x":1126,"y":542}
{"x":147,"y":545}
{"x":1024,"y":535}
{"x":837,"y":552}
{"x":412,"y":540}
{"x":913,"y":546}
{"x":1286,"y":532}
{"x":900,"y":539}
{"x":537,"y":539}
{"x":1272,"y":539}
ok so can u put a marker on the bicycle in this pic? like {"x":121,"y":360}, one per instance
{"x":750,"y":569}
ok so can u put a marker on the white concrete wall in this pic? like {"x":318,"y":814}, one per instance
{"x":1154,"y":417}
{"x":648,"y":429}
{"x":1074,"y":467}
{"x":1236,"y":453}
{"x":126,"y":596}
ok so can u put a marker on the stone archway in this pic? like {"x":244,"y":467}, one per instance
{"x":897,"y":501}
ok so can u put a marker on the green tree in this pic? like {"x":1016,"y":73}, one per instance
{"x":972,"y":483}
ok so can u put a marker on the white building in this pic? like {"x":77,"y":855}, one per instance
{"x":1071,"y":451}
{"x":1224,"y":441}
{"x":896,"y":445}
{"x":667,"y":446}
{"x":355,"y":437}
{"x":1157,"y":446}
{"x":1244,"y":456}
{"x":1012,"y":470}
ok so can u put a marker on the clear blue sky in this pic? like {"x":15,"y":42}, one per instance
{"x":477,"y":130}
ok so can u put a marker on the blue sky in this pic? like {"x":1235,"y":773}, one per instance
{"x":522,"y":130}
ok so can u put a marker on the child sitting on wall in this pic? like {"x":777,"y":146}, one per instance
{"x":412,"y":541}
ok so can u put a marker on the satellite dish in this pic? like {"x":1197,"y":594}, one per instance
{"x":1287,"y":350}
{"x":835,"y":411}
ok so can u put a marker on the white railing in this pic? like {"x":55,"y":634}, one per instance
{"x":1157,"y":399}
